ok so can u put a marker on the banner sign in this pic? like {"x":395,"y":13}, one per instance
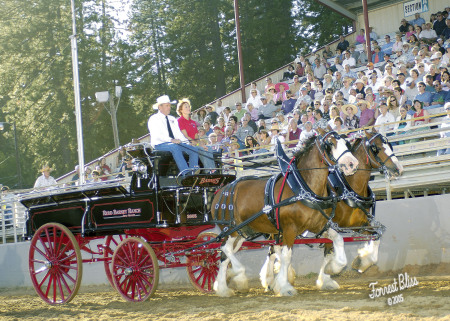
{"x":410,"y":8}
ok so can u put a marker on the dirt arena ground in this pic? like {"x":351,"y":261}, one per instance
{"x":428,"y":300}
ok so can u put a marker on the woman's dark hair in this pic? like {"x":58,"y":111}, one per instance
{"x":254,"y":142}
{"x":234,"y":118}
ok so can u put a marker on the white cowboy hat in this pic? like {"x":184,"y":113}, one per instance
{"x":163,"y":100}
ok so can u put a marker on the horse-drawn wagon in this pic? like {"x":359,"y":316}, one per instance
{"x":163,"y":221}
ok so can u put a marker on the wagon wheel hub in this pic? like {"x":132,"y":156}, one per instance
{"x":48,"y":264}
{"x":128,"y":271}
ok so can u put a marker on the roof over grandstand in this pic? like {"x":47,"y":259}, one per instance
{"x":351,"y":8}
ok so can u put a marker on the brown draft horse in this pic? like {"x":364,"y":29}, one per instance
{"x":373,"y":153}
{"x":294,"y":219}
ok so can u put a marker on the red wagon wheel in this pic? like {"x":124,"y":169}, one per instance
{"x":202,"y":268}
{"x":55,"y":263}
{"x":111,"y":243}
{"x":135,"y":270}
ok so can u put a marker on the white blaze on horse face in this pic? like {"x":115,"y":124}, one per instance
{"x":347,"y":162}
{"x":389,"y":152}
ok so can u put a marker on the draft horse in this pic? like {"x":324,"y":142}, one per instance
{"x":355,"y":212}
{"x":247,"y":197}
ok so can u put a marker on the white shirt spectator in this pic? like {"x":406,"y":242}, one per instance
{"x":43,"y":182}
{"x":349,"y":61}
{"x":388,"y":118}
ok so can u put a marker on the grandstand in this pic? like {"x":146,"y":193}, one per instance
{"x":425,"y":172}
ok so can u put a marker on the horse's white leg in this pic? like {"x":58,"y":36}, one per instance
{"x":333,"y":263}
{"x":324,"y":281}
{"x":237,"y":272}
{"x":220,"y":284}
{"x":367,"y":256}
{"x":282,"y":286}
{"x":338,"y":259}
{"x":266,"y":275}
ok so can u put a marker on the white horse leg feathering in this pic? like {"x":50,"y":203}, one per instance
{"x":282,"y":286}
{"x":333,"y":263}
{"x":367,"y":256}
{"x":237,"y":273}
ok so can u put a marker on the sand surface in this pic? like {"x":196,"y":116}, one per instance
{"x":428,"y":300}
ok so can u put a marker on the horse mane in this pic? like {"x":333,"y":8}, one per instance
{"x":304,"y":150}
{"x":356,"y":143}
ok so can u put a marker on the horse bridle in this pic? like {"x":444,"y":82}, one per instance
{"x":323,"y":150}
{"x":372,"y":151}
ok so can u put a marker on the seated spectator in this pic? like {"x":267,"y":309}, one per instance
{"x":362,"y":59}
{"x":440,"y":97}
{"x":338,"y":81}
{"x":254,"y":112}
{"x":393,"y":105}
{"x":304,"y":97}
{"x":76,"y":176}
{"x":271,"y":95}
{"x":404,"y":27}
{"x":96,"y":177}
{"x":398,"y":44}
{"x":351,"y":121}
{"x":306,"y":133}
{"x":409,"y":32}
{"x":339,"y":125}
{"x":360,"y":38}
{"x":384,"y":118}
{"x":233,"y":123}
{"x":105,"y":170}
{"x":348,"y":73}
{"x":374,"y":82}
{"x":303,"y":120}
{"x":387,"y":47}
{"x":199,"y":116}
{"x":349,"y":60}
{"x":373,"y":35}
{"x":405,"y":124}
{"x":263,"y":139}
{"x":211,"y":114}
{"x":226,"y":114}
{"x":428,"y":35}
{"x":268,"y":109}
{"x":88,"y":170}
{"x":417,"y":21}
{"x":245,"y":129}
{"x":207,"y":127}
{"x":293,"y":132}
{"x":333,"y":113}
{"x":320,"y":121}
{"x":320,"y":69}
{"x":367,"y":115}
{"x":445,"y":134}
{"x":299,"y":69}
{"x":445,"y":81}
{"x":45,"y":180}
{"x":239,"y":112}
{"x":282,"y":122}
{"x":327,"y":81}
{"x":439,"y":26}
{"x":342,"y":44}
{"x":280,"y":95}
{"x":446,"y":33}
{"x":254,"y":99}
{"x":218,"y":133}
{"x":424,"y":96}
{"x":377,"y":56}
{"x":399,"y":94}
{"x":290,"y":73}
{"x":275,"y":134}
{"x":420,"y":112}
{"x":126,"y":167}
{"x":310,"y":115}
{"x":214,"y":145}
{"x":269,"y":84}
{"x":254,"y":86}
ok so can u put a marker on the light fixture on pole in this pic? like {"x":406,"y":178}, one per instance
{"x":103,"y":97}
{"x":19,"y":171}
